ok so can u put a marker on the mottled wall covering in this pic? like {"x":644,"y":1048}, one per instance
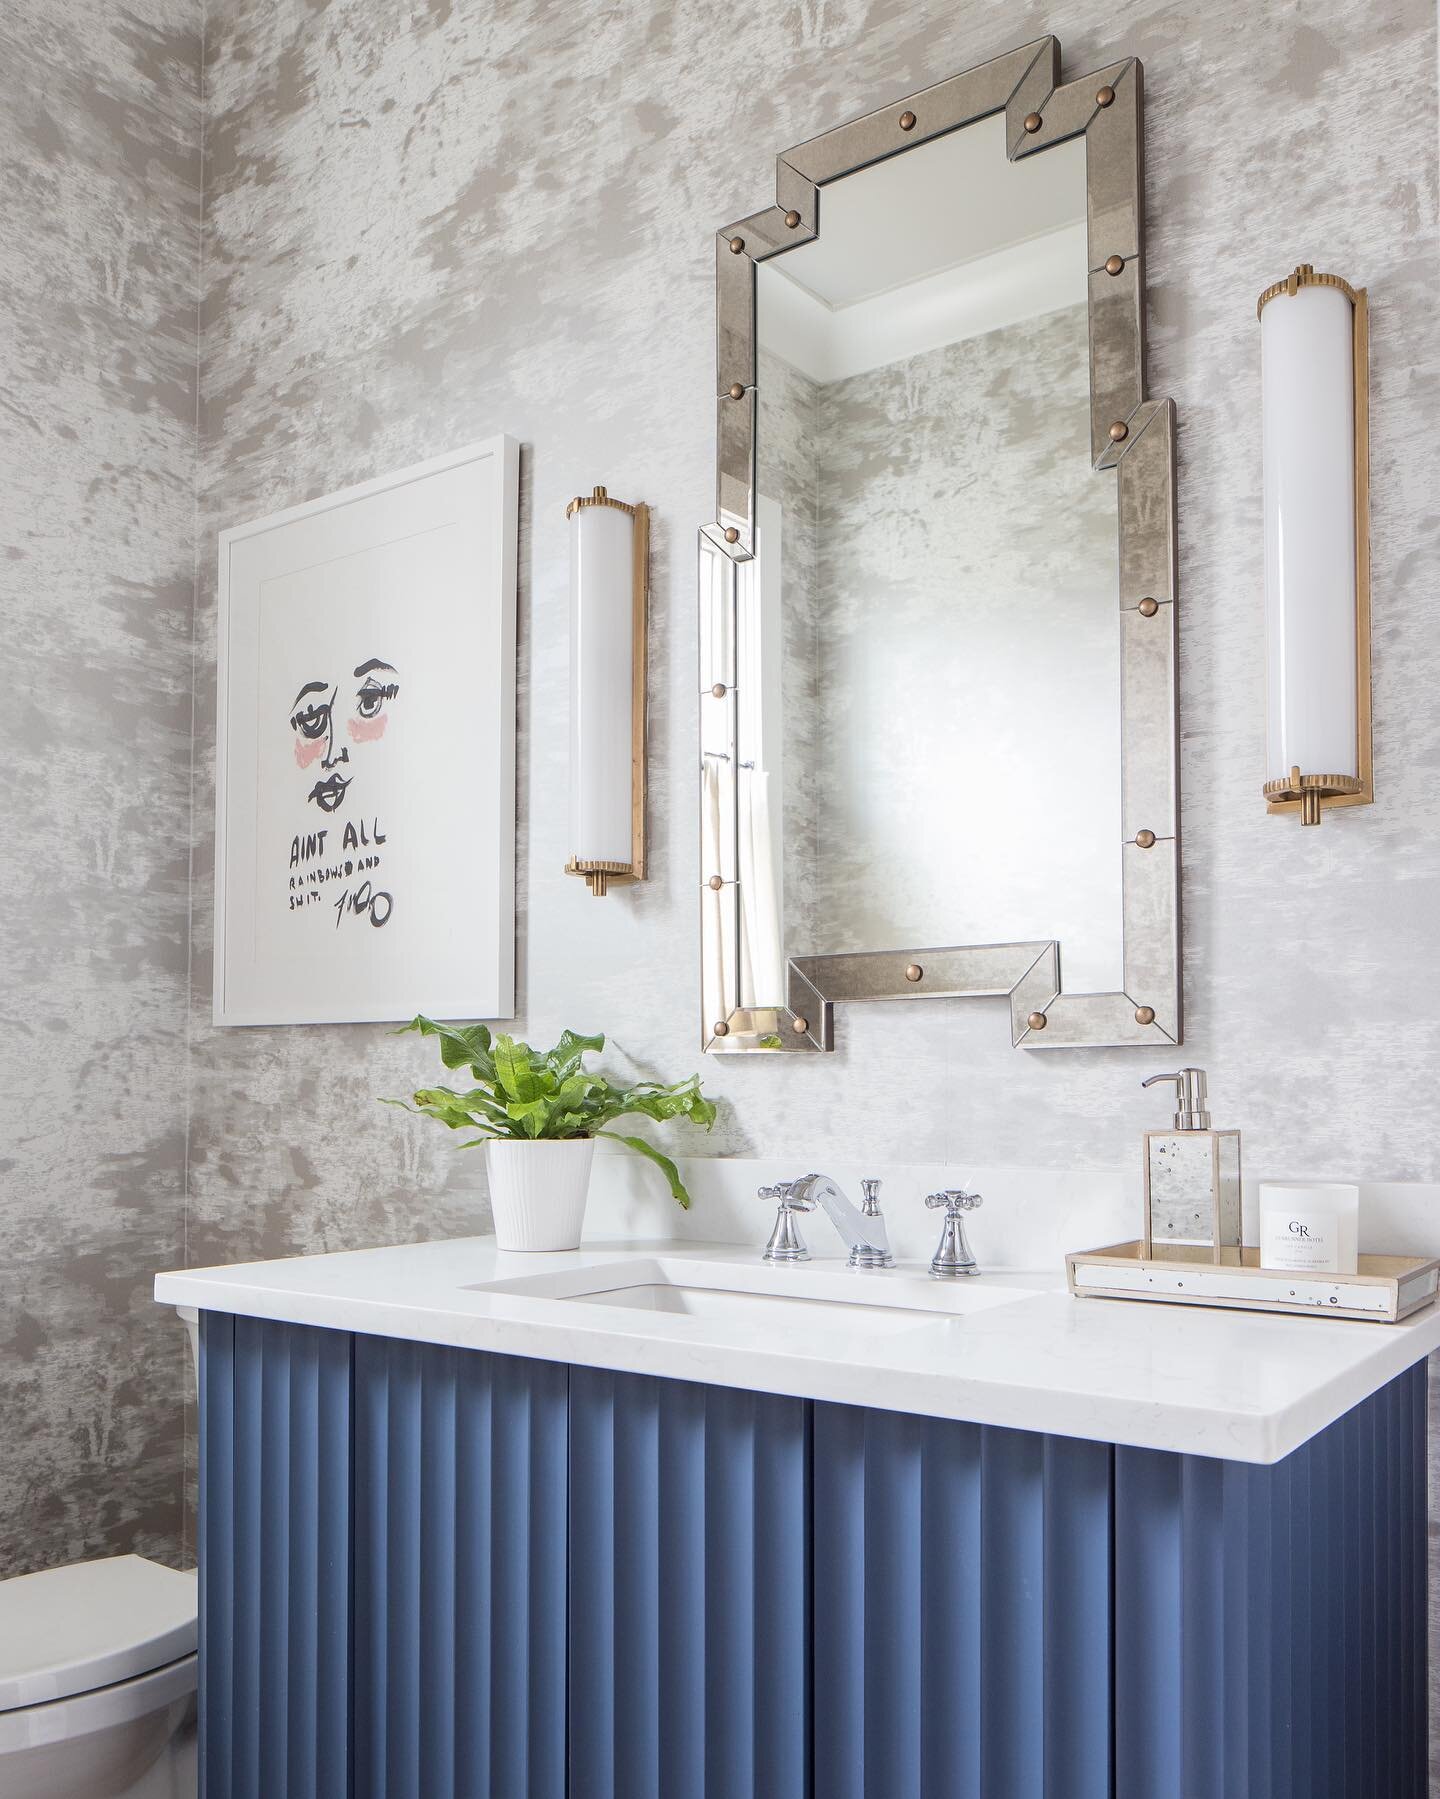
{"x":787,"y":453}
{"x":431,"y":223}
{"x":950,"y":689}
{"x":969,"y":647}
{"x":99,"y":237}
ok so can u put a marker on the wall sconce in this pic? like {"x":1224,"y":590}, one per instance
{"x":1314,"y":353}
{"x":609,"y":596}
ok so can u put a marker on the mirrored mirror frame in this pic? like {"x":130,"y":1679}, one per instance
{"x":1133,"y":435}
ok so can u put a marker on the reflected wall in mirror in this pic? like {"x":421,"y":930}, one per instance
{"x":945,"y":558}
{"x":937,"y":602}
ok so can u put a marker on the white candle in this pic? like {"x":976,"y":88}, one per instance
{"x":1309,"y":1226}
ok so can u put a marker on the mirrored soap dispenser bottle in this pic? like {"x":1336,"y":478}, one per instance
{"x":1192,"y":1180}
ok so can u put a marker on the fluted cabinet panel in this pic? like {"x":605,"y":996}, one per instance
{"x":1269,"y":1622}
{"x":962,"y":1610}
{"x":460,"y":1550}
{"x":431,"y":1573}
{"x":274,"y":1540}
{"x":689,"y":1591}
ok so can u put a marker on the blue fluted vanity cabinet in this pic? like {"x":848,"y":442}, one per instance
{"x":689,"y":1591}
{"x":962,"y":1610}
{"x":433,"y":1573}
{"x":1270,"y":1622}
{"x":275,"y":1555}
{"x":459,"y":1586}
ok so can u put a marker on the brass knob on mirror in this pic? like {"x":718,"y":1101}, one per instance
{"x":1144,"y":1014}
{"x":731,"y":534}
{"x":715,"y":883}
{"x":1148,"y":607}
{"x":907,"y":121}
{"x":737,"y":244}
{"x":737,"y":390}
{"x":1037,"y":1021}
{"x":1145,"y":839}
{"x":722,"y":1029}
{"x":718,"y":691}
{"x":1119,"y":431}
{"x":1114,"y":264}
{"x":914,"y":972}
{"x":792,"y":218}
{"x":800,"y":1026}
{"x":1105,"y":97}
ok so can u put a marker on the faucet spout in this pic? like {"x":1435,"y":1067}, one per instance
{"x":862,"y":1232}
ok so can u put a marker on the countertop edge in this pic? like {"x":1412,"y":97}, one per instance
{"x":1173,"y":1425}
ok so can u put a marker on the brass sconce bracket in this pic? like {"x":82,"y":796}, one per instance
{"x":1310,"y":792}
{"x":600,"y":877}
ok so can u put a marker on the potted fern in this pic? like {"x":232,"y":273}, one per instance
{"x":538,"y":1113}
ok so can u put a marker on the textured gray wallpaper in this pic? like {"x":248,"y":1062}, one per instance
{"x":969,"y":783}
{"x":787,"y":451}
{"x":431,"y":224}
{"x":951,"y":657}
{"x":99,"y":239}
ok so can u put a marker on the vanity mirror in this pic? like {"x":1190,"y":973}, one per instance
{"x":938,"y":733}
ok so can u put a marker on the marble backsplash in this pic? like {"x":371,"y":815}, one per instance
{"x":1030,"y":1220}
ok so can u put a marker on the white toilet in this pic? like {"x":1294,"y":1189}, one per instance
{"x":97,"y":1680}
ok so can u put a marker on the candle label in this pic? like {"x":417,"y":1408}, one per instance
{"x":1300,"y":1240}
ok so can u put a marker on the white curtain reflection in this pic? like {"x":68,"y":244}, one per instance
{"x":759,"y":740}
{"x":717,"y":961}
{"x":762,"y":956}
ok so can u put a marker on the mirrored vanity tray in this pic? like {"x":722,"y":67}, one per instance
{"x":1384,"y":1290}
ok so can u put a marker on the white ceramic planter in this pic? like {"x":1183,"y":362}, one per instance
{"x":538,"y":1191}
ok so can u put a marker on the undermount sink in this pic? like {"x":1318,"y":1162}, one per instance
{"x":759,"y":1309}
{"x":875,"y":1303}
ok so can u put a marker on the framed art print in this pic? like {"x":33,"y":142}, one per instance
{"x":365,"y":777}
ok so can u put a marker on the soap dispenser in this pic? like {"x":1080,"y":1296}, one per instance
{"x":1192,"y":1180}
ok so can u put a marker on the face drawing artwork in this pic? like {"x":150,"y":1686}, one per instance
{"x":332,"y":719}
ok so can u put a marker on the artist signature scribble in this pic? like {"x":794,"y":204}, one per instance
{"x":364,"y":902}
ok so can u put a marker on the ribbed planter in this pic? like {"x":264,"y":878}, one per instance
{"x":538,"y":1192}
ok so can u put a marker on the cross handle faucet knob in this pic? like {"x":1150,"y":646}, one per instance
{"x":954,"y":1201}
{"x":784,"y":1192}
{"x":786,"y":1244}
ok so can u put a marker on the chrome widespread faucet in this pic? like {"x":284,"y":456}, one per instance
{"x":861,"y":1228}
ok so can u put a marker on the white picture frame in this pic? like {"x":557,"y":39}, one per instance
{"x":365,"y":751}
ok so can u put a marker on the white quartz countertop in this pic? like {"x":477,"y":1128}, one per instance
{"x":1243,"y":1386}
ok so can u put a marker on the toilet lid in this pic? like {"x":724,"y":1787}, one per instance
{"x":72,"y":1630}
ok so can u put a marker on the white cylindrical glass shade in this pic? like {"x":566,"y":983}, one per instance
{"x":602,"y":683}
{"x":1307,"y":352}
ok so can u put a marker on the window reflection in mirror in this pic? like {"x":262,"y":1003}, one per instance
{"x":928,"y":656}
